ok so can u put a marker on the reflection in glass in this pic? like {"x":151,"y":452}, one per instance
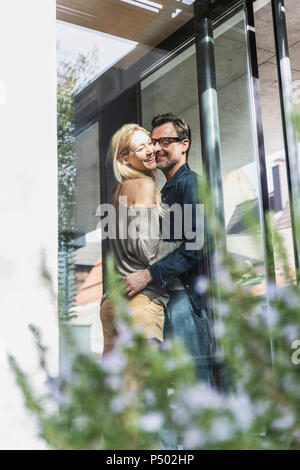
{"x":239,"y":159}
{"x":273,"y":135}
{"x":81,"y":56}
{"x":87,"y":242}
{"x":173,"y":88}
{"x":98,"y":43}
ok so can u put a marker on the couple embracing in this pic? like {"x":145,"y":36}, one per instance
{"x":160,"y":273}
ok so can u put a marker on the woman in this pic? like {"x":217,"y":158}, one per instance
{"x":138,"y":205}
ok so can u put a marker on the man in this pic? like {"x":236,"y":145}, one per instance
{"x":179,"y":271}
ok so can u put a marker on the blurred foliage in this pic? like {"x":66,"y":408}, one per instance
{"x":141,"y":397}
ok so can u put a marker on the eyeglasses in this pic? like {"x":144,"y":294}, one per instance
{"x":166,"y":141}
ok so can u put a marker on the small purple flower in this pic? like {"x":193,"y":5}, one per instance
{"x":201,"y":397}
{"x":114,"y":382}
{"x":272,"y":290}
{"x":149,"y":397}
{"x":285,"y":422}
{"x":290,"y":332}
{"x":221,"y":429}
{"x":113,"y":362}
{"x":201,"y":285}
{"x":54,"y":384}
{"x":193,"y":438}
{"x":296,"y":434}
{"x":152,"y":421}
{"x":119,"y":403}
{"x":242,"y":411}
{"x":219,"y":329}
{"x":272,"y":316}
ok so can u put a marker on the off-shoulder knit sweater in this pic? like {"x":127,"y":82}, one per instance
{"x":138,"y":244}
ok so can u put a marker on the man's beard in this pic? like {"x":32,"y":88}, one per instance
{"x":166,"y":163}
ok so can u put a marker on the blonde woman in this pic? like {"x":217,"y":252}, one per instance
{"x":136,"y":195}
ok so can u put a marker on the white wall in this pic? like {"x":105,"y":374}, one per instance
{"x":28,"y":204}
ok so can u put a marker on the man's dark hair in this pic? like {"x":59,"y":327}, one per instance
{"x":182,"y":129}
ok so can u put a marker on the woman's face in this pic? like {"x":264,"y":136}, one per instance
{"x":142,"y":153}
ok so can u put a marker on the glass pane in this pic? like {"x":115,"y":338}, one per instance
{"x":103,"y":48}
{"x":141,"y":61}
{"x":87,"y":254}
{"x":173,"y":88}
{"x":273,"y":134}
{"x":162,"y":91}
{"x":80,"y":270}
{"x":239,"y":159}
{"x":292,"y":8}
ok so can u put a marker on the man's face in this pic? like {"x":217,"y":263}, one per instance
{"x":168,"y":156}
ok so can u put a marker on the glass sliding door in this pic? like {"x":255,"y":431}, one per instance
{"x":104,"y":47}
{"x":159,"y":73}
{"x":87,"y":242}
{"x":174,"y":88}
{"x":276,"y":159}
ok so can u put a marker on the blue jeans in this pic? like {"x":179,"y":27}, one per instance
{"x":193,"y":328}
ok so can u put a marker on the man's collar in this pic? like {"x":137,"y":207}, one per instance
{"x":183,"y":169}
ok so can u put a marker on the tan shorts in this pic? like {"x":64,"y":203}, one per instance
{"x":147,"y":317}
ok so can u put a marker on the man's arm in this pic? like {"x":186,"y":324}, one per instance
{"x":135,"y":282}
{"x":182,"y":259}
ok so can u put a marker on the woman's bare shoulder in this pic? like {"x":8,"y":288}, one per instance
{"x":139,"y":191}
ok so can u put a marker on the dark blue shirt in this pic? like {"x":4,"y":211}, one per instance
{"x":186,"y":263}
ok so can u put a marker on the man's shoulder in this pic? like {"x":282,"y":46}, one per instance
{"x":188,"y":186}
{"x":188,"y":178}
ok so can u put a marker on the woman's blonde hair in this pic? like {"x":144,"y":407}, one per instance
{"x":120,"y":147}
